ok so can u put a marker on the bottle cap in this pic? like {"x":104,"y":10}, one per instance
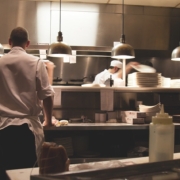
{"x":162,"y":117}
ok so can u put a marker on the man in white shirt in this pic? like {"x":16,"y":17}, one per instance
{"x":25,"y":88}
{"x":113,"y":72}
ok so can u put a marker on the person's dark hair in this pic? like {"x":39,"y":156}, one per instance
{"x":19,"y":36}
{"x":111,"y":67}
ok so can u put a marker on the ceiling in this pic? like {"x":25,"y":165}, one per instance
{"x":157,"y":3}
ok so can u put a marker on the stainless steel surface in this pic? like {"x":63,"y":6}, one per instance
{"x":90,"y":24}
{"x":102,"y":126}
{"x":118,"y":89}
{"x":84,"y":67}
{"x":92,"y":29}
{"x":176,"y":54}
{"x":164,"y":3}
{"x":156,"y":170}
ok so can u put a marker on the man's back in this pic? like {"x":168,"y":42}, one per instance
{"x":20,"y":75}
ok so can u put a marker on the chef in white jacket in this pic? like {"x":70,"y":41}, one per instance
{"x":114,"y":72}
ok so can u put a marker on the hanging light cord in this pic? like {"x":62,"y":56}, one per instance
{"x":122,"y":16}
{"x":60,"y":16}
{"x":122,"y":39}
{"x":59,"y":37}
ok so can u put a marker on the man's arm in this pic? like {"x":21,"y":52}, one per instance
{"x":48,"y":108}
{"x":50,"y":69}
{"x":128,"y":68}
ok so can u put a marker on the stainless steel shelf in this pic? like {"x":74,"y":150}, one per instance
{"x":102,"y":126}
{"x":118,"y":89}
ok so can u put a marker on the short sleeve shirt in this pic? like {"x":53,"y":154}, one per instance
{"x":24,"y":83}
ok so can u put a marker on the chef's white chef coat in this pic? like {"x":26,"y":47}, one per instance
{"x":103,"y":76}
{"x":24,"y":83}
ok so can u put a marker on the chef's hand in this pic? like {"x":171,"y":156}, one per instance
{"x":53,"y":122}
{"x":46,"y":124}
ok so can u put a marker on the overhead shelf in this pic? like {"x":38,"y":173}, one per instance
{"x":118,"y":89}
{"x":96,"y":51}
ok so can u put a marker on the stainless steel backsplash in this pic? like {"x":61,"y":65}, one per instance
{"x":153,"y":32}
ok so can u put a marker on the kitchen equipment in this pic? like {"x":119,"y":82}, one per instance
{"x":75,"y":120}
{"x":97,"y":117}
{"x":78,"y":80}
{"x":100,"y":117}
{"x":93,"y":85}
{"x":57,"y":79}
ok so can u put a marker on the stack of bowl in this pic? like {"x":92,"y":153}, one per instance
{"x":150,"y":111}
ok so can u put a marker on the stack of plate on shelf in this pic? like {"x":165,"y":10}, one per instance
{"x":165,"y":82}
{"x":175,"y":83}
{"x":142,"y":79}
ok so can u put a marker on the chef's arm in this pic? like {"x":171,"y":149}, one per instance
{"x":48,"y":108}
{"x":50,"y":70}
{"x":120,"y":73}
{"x":128,"y":68}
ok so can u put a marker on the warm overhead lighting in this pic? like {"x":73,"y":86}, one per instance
{"x":122,"y":50}
{"x":175,"y":56}
{"x":59,"y":48}
{"x":1,"y":50}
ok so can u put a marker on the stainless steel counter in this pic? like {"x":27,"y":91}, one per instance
{"x":102,"y":126}
{"x":21,"y":174}
{"x":119,"y":89}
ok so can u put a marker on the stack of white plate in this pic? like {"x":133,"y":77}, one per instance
{"x":141,"y":79}
{"x":175,"y":83}
{"x":165,"y":82}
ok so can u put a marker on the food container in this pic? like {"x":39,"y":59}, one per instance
{"x":161,"y":137}
{"x":75,"y":120}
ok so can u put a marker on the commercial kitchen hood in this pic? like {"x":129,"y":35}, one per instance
{"x":160,"y":3}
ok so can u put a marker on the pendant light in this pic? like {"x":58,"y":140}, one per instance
{"x":59,"y":48}
{"x":175,"y":56}
{"x":1,"y":50}
{"x":122,"y":50}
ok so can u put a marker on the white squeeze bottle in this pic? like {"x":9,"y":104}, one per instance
{"x":161,"y":137}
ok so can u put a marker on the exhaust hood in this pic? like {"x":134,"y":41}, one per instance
{"x":160,"y":3}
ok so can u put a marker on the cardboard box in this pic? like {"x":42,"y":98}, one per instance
{"x":130,"y":120}
{"x":133,"y":114}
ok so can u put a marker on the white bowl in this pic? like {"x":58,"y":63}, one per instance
{"x":144,"y":108}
